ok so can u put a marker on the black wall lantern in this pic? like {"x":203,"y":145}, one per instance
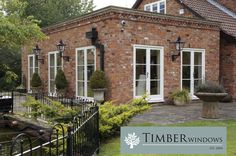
{"x":37,"y":52}
{"x":61,"y":48}
{"x":179,"y":45}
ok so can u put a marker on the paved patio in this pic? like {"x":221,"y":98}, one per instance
{"x":169,"y":114}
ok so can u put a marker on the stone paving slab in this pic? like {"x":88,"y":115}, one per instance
{"x":168,"y":114}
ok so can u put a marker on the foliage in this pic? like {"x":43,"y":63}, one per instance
{"x":36,"y":81}
{"x":112,"y":117}
{"x":53,"y":11}
{"x":51,"y":112}
{"x":10,"y":68}
{"x":98,"y":80}
{"x":60,"y":80}
{"x":35,"y":106}
{"x":15,"y":29}
{"x":7,"y":78}
{"x":210,"y":87}
{"x":180,"y":95}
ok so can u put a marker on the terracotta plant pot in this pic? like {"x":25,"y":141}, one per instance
{"x":210,"y":107}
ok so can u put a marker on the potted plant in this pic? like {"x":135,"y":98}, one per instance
{"x":180,"y":97}
{"x":98,"y":83}
{"x":210,"y":93}
{"x":61,"y":82}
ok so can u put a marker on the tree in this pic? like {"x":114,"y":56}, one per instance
{"x":53,"y":11}
{"x":16,"y":31}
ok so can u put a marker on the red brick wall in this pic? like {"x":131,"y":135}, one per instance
{"x":172,"y":8}
{"x":230,"y":4}
{"x":119,"y":51}
{"x":228,"y":68}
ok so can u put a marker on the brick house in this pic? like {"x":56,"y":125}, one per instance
{"x":140,"y":50}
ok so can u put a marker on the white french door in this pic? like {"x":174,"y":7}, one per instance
{"x":33,"y":67}
{"x":148,"y":72}
{"x":55,"y":63}
{"x":85,"y":66}
{"x":193,"y":69}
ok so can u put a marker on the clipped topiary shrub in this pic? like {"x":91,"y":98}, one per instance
{"x":98,"y":80}
{"x":36,"y":81}
{"x":60,"y":81}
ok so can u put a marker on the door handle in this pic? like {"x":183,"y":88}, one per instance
{"x":147,"y":74}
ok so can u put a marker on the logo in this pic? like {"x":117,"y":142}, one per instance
{"x":132,"y":140}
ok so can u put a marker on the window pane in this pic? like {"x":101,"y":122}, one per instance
{"x":162,"y":5}
{"x":155,"y":87}
{"x":141,"y":56}
{"x":80,"y":88}
{"x":31,"y":73}
{"x":197,"y":72}
{"x":186,"y":84}
{"x":197,"y":83}
{"x":154,"y":8}
{"x":162,"y":11}
{"x":140,"y":88}
{"x":80,"y":57}
{"x":155,"y":72}
{"x":80,"y":72}
{"x":186,"y":72}
{"x":52,"y":73}
{"x":31,"y":61}
{"x":148,"y":8}
{"x":52,"y":86}
{"x":52,"y":60}
{"x":186,"y":58}
{"x":155,"y":56}
{"x":197,"y":58}
{"x":140,"y":72}
{"x":90,"y":70}
{"x":90,"y":57}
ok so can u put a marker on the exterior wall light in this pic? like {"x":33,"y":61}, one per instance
{"x":37,"y":52}
{"x":179,"y":47}
{"x":61,"y":48}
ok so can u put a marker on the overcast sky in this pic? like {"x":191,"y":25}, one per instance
{"x":123,"y":3}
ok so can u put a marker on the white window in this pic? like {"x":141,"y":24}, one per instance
{"x":193,"y":69}
{"x":159,"y":7}
{"x":54,"y":64}
{"x":33,"y":67}
{"x":85,"y":66}
{"x":149,"y":72}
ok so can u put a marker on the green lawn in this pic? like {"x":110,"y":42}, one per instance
{"x":112,"y":147}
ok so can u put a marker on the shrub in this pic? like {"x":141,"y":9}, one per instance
{"x":60,"y":80}
{"x":112,"y":117}
{"x":36,"y":81}
{"x":210,"y":87}
{"x":180,"y":95}
{"x":52,"y":112}
{"x":98,"y":80}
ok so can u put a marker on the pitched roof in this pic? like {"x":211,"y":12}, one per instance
{"x":210,"y":10}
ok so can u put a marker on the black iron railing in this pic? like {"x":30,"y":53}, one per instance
{"x":79,"y":139}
